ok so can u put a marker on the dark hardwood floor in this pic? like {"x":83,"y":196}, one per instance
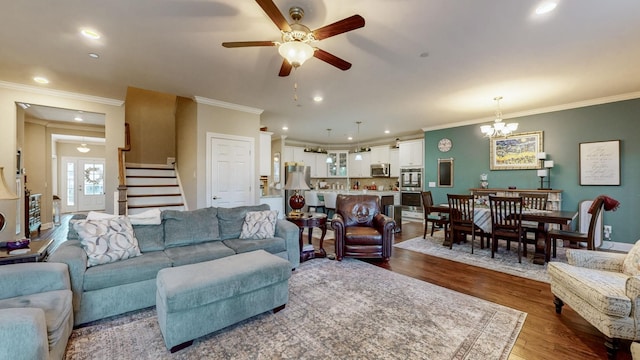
{"x":545,"y":335}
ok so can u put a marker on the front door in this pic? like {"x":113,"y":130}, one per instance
{"x":230,"y":170}
{"x":83,"y":184}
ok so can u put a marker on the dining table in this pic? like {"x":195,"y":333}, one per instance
{"x":563,"y":218}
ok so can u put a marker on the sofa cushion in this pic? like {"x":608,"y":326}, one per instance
{"x":107,"y":241}
{"x":56,"y":306}
{"x":230,"y":220}
{"x":150,"y":237}
{"x":603,"y":290}
{"x":272,"y":245}
{"x":190,"y":227}
{"x":631,"y":264}
{"x":191,"y":254}
{"x":141,"y":268}
{"x":259,"y":224}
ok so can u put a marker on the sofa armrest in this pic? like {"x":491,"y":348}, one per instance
{"x":291,"y":235}
{"x":32,"y":278}
{"x":29,"y":329}
{"x":599,"y":260}
{"x":72,"y":254}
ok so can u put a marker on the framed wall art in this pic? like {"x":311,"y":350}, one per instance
{"x":600,"y":163}
{"x":516,"y":152}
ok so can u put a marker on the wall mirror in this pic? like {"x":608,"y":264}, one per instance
{"x":445,"y":172}
{"x":276,"y":167}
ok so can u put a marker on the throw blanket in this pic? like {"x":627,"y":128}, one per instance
{"x":609,"y":204}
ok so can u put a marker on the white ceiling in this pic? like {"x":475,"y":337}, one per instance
{"x":584,"y":52}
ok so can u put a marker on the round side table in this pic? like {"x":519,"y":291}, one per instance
{"x":310,"y":220}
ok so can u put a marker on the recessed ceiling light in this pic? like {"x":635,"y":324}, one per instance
{"x":317,"y":98}
{"x":285,"y":128}
{"x":546,"y":7}
{"x":78,"y":118}
{"x":94,"y":55}
{"x":91,"y":34}
{"x":41,"y":80}
{"x":387,"y":131}
{"x":350,"y":138}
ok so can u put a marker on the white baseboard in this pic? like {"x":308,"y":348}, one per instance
{"x":616,"y":246}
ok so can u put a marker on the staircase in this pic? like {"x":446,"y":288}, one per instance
{"x":152,"y":187}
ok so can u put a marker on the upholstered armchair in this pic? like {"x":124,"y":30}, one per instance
{"x":36,"y":313}
{"x":361,"y":230}
{"x":604,"y":288}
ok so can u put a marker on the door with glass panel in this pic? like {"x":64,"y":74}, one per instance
{"x":82,"y":180}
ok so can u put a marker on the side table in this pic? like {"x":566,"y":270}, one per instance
{"x":36,"y":252}
{"x":311,"y":220}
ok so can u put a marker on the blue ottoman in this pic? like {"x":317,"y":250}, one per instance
{"x":198,"y":299}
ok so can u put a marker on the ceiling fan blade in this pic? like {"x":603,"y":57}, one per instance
{"x":285,"y":69}
{"x":235,"y":44}
{"x":339,"y":27}
{"x":276,"y":16}
{"x":331,"y":59}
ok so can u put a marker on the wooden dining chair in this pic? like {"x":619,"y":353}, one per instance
{"x":461,"y":220}
{"x":532,"y":201}
{"x":576,"y":237}
{"x":506,"y":222}
{"x":434,"y":217}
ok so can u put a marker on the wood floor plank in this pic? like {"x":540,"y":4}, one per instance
{"x":545,"y":334}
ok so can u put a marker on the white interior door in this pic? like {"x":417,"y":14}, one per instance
{"x":83,"y":182}
{"x":230,"y":170}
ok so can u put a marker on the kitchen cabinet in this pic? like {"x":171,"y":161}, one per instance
{"x":320,"y":166}
{"x":412,"y":153}
{"x":275,"y":203}
{"x":293,"y":154}
{"x":360,"y":168}
{"x":394,"y":162}
{"x":380,"y":154}
{"x":265,"y":153}
{"x":338,"y":168}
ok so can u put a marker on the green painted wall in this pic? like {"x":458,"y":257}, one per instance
{"x":563,"y":132}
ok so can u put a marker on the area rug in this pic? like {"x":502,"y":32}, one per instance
{"x":336,"y":310}
{"x":505,"y":261}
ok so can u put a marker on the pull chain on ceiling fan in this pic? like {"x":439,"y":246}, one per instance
{"x":295,"y":47}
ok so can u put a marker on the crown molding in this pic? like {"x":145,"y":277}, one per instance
{"x":569,"y":106}
{"x":226,"y":105}
{"x":60,"y":93}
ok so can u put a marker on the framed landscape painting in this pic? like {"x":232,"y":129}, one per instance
{"x":516,"y":152}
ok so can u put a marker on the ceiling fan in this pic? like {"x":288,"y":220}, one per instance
{"x":295,"y":47}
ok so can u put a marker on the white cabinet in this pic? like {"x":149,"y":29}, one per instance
{"x":360,"y":168}
{"x":412,"y":153}
{"x":320,"y":166}
{"x":293,"y":154}
{"x":275,"y":203}
{"x":265,"y":153}
{"x":380,"y":154}
{"x":338,"y":168}
{"x":394,"y":161}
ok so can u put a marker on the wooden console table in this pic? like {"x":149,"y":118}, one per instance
{"x":311,"y":220}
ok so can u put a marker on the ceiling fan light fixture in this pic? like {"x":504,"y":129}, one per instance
{"x":296,"y":52}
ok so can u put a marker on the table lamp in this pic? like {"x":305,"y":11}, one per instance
{"x":296,"y":182}
{"x":5,"y":194}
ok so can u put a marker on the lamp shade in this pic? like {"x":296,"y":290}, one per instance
{"x":296,"y":181}
{"x":543,"y":172}
{"x":296,"y":52}
{"x":5,"y":193}
{"x":548,"y":163}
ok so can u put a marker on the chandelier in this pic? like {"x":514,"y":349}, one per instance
{"x":498,"y":128}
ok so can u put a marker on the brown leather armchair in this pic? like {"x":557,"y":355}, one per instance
{"x":361,"y":230}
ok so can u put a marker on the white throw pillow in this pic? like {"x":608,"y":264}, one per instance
{"x":149,"y":217}
{"x":107,"y":240}
{"x":631,"y":264}
{"x":259,"y":224}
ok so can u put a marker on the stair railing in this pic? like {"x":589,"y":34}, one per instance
{"x":122,"y":186}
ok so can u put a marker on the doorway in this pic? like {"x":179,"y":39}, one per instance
{"x":82,"y":184}
{"x":230,"y":170}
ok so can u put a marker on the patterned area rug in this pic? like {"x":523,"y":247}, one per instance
{"x":505,"y":261}
{"x":336,"y":310}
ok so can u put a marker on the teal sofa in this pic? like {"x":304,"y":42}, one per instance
{"x":183,"y":237}
{"x":36,"y":317}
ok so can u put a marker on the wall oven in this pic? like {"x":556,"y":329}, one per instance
{"x":411,"y":179}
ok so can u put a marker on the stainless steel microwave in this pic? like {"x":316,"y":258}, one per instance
{"x":380,"y":170}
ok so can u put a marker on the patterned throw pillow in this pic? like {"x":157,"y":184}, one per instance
{"x":631,"y":264}
{"x":259,"y":224}
{"x":107,"y":240}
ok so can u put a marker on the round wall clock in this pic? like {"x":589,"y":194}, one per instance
{"x":444,"y":145}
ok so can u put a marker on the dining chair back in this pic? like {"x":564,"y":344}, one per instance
{"x":434,"y":217}
{"x":461,"y":212}
{"x":506,"y":222}
{"x":312,"y":201}
{"x":330,"y":203}
{"x":576,"y":237}
{"x":532,"y":201}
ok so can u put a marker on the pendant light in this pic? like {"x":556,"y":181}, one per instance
{"x":329,"y":159}
{"x":358,"y":155}
{"x":498,"y":128}
{"x":83,"y":148}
